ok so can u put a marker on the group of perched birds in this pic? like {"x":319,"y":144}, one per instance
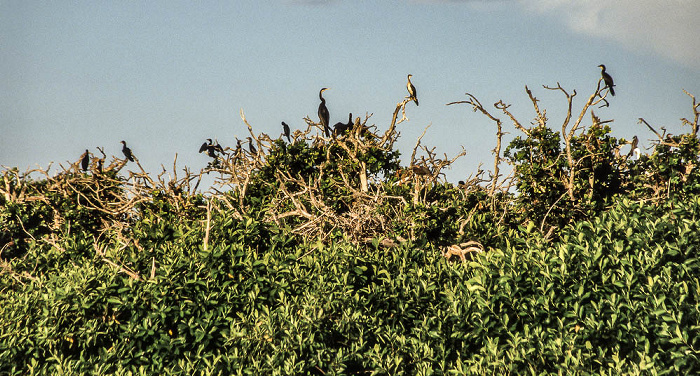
{"x":85,"y":160}
{"x":324,"y":117}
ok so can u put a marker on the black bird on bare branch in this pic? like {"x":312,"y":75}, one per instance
{"x":287,"y":132}
{"x":127,"y":151}
{"x":607,"y":79}
{"x":210,"y":148}
{"x":85,"y":162}
{"x":251,"y":147}
{"x":323,"y":113}
{"x":340,"y":128}
{"x":412,"y":94}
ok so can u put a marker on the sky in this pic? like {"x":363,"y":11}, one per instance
{"x":166,"y":75}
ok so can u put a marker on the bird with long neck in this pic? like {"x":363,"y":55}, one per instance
{"x":607,"y":79}
{"x":251,"y":147}
{"x":412,"y":94}
{"x":127,"y":151}
{"x":323,"y":113}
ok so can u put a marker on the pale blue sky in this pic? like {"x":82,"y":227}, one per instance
{"x":166,"y":75}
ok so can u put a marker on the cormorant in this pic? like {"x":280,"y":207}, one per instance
{"x":238,"y":147}
{"x":340,"y":128}
{"x":85,"y":162}
{"x":210,"y":148}
{"x":205,"y":146}
{"x":607,"y":79}
{"x":211,"y":151}
{"x":127,"y":152}
{"x":411,"y":90}
{"x":323,"y":113}
{"x":287,"y":132}
{"x":252,"y":148}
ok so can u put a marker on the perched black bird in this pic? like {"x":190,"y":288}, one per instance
{"x":205,"y":146}
{"x":85,"y":162}
{"x":100,"y":161}
{"x":607,"y":79}
{"x":323,"y":113}
{"x":412,"y":94}
{"x":210,"y":148}
{"x":252,"y":148}
{"x":287,"y":132}
{"x":127,"y":152}
{"x":211,"y":151}
{"x":340,"y":128}
{"x":238,"y":147}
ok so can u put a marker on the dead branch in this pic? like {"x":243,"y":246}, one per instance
{"x":696,"y":113}
{"x":476,"y":106}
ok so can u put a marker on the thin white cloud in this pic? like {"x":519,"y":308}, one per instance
{"x":670,"y":28}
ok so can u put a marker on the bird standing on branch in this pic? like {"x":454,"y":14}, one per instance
{"x":340,"y":128}
{"x":323,"y":113}
{"x":634,"y":149}
{"x":607,"y":79}
{"x":127,"y":152}
{"x":238,"y":147}
{"x":252,"y":148}
{"x":287,"y":132}
{"x":85,"y":162}
{"x":210,"y":148}
{"x":412,"y":95}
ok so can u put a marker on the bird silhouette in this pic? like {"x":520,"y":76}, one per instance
{"x":252,"y":148}
{"x":340,"y":128}
{"x":287,"y":132}
{"x":412,"y":94}
{"x":210,"y":148}
{"x":127,"y":151}
{"x":634,"y":147}
{"x":238,"y":147}
{"x":85,"y":162}
{"x":323,"y":113}
{"x":607,"y":79}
